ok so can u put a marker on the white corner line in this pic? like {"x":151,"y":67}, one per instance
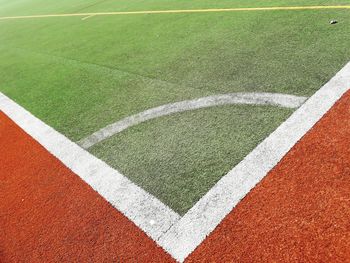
{"x":252,"y":98}
{"x":180,"y":236}
{"x":186,"y":234}
{"x":146,"y":211}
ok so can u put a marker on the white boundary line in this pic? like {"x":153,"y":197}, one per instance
{"x":253,"y":98}
{"x":179,"y":237}
{"x":146,"y":211}
{"x":183,"y":237}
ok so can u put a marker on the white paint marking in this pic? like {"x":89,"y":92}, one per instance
{"x":179,"y":237}
{"x":183,"y":237}
{"x":146,"y":211}
{"x":87,"y":17}
{"x":275,"y":99}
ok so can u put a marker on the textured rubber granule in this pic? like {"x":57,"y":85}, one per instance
{"x":48,"y":214}
{"x":300,"y":212}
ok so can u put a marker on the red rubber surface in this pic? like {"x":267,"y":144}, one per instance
{"x":48,"y":214}
{"x":300,"y":212}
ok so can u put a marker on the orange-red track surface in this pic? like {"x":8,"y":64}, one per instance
{"x":48,"y":214}
{"x":300,"y":212}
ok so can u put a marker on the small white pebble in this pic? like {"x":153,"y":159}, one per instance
{"x":152,"y":222}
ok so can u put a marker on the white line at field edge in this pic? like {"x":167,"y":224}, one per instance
{"x":146,"y":211}
{"x":186,"y":234}
{"x":253,"y":98}
{"x":179,"y":237}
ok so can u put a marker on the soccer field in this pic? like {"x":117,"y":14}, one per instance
{"x":80,"y":74}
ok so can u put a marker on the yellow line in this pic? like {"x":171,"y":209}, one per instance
{"x":184,"y":11}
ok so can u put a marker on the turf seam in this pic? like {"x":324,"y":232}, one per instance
{"x":205,"y":89}
{"x":105,"y":67}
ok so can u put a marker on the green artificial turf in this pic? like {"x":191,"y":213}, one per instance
{"x":106,"y":68}
{"x":80,"y":75}
{"x":34,"y":7}
{"x":178,"y":158}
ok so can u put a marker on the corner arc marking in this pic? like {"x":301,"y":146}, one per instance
{"x":186,"y":234}
{"x":179,"y":236}
{"x":254,"y":98}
